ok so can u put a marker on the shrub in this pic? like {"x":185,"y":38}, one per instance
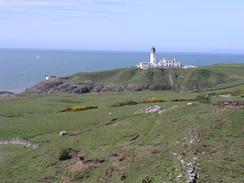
{"x":183,"y":99}
{"x":153,"y":100}
{"x":123,"y":176}
{"x":130,"y":102}
{"x":77,"y":108}
{"x":65,"y":109}
{"x":237,"y":92}
{"x":65,"y":154}
{"x":203,"y":99}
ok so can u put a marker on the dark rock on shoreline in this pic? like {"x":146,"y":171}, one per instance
{"x":6,"y":94}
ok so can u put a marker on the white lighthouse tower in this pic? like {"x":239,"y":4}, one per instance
{"x":153,"y":59}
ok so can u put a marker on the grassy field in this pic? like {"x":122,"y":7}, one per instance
{"x":117,"y":145}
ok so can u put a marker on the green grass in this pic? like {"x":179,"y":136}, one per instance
{"x":124,"y":76}
{"x":220,"y":149}
{"x":197,"y":79}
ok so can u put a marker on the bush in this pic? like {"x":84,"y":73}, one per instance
{"x":65,"y":154}
{"x":65,"y":109}
{"x":237,"y":92}
{"x":130,"y":102}
{"x":203,"y":99}
{"x":123,"y":176}
{"x":77,"y":108}
{"x":153,"y":100}
{"x":183,"y":99}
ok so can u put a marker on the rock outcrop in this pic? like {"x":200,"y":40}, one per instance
{"x":61,"y":85}
{"x":18,"y":141}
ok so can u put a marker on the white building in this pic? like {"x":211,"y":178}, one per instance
{"x":165,"y":63}
{"x":169,"y":63}
{"x":47,"y":77}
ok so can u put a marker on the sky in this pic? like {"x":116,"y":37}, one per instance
{"x":126,"y":25}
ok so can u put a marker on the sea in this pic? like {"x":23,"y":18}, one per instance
{"x":22,"y":68}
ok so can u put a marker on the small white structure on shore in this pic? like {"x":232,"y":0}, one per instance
{"x":47,"y":77}
{"x":164,"y":63}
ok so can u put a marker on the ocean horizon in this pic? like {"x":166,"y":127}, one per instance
{"x":22,"y":68}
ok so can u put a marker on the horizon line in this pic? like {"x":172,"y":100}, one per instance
{"x":148,"y":50}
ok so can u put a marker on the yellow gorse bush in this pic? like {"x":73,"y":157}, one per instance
{"x":238,"y":92}
{"x":153,"y":100}
{"x":77,"y":108}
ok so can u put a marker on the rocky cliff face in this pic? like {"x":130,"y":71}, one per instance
{"x":60,"y":85}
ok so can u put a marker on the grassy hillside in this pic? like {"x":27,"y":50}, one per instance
{"x":125,"y":76}
{"x":113,"y":144}
{"x":201,"y":78}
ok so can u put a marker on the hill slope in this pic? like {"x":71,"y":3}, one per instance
{"x":133,"y":79}
{"x":115,"y":144}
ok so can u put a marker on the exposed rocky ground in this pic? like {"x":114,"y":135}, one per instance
{"x":61,"y":85}
{"x":18,"y":141}
{"x":149,"y":109}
